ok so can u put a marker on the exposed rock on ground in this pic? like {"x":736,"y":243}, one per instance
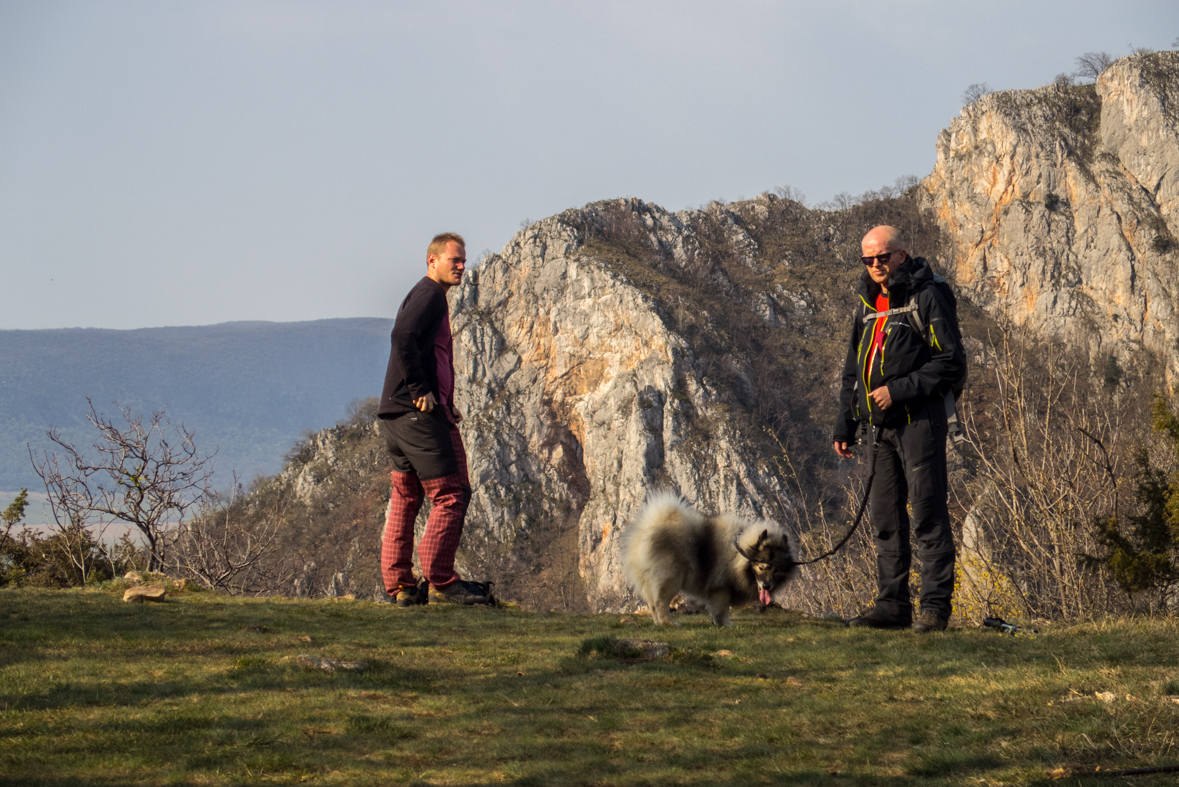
{"x":330,"y":665}
{"x":141,"y":593}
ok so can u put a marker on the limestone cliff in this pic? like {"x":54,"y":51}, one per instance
{"x":582,"y":396}
{"x":1060,"y":207}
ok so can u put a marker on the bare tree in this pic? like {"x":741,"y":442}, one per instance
{"x":230,"y":549}
{"x":145,"y":474}
{"x":791,"y":193}
{"x":70,"y":503}
{"x":975,"y":92}
{"x":1063,"y":80}
{"x":1091,"y":64}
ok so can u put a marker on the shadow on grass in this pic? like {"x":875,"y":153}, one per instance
{"x":248,"y":675}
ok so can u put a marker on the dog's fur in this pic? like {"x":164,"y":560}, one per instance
{"x":671,"y":548}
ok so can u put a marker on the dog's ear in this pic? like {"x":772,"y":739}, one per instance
{"x":765,"y":534}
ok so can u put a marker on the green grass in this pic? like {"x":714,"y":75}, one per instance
{"x":94,"y":691}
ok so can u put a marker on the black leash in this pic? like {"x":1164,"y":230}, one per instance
{"x":863,"y":505}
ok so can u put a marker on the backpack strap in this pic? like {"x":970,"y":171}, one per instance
{"x":952,"y":426}
{"x":910,"y":310}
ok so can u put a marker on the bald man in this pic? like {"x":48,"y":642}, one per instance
{"x":895,"y":381}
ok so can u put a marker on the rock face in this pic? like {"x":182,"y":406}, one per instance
{"x":1061,"y":206}
{"x":581,"y":397}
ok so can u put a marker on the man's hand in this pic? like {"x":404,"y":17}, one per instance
{"x":882,"y":397}
{"x":456,"y":414}
{"x":843,"y":449}
{"x":425,"y":403}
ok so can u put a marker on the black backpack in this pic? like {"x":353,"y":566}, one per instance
{"x":955,"y":392}
{"x":947,"y":293}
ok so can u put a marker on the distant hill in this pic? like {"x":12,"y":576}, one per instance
{"x":248,"y":389}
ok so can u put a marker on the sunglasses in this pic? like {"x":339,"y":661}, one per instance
{"x":884,"y":258}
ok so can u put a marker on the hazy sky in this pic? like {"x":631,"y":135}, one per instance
{"x":187,"y":163}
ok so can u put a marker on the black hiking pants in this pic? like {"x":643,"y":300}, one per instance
{"x":911,"y":475}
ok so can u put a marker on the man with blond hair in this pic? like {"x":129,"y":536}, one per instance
{"x":904,"y":356}
{"x":419,"y":421}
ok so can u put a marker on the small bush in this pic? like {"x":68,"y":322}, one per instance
{"x":70,"y":558}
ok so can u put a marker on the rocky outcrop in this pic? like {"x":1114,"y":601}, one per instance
{"x":1061,"y":205}
{"x":581,"y":397}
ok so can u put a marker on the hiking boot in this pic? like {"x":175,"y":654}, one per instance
{"x":411,"y":595}
{"x":930,"y":621}
{"x":875,"y":619}
{"x":463,"y":592}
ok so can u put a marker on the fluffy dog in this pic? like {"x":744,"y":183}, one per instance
{"x":671,"y":548}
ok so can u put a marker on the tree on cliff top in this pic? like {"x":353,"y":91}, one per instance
{"x":974,"y":92}
{"x":1091,"y":65}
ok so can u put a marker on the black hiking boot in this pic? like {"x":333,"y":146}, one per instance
{"x":875,"y":619}
{"x":930,"y":621}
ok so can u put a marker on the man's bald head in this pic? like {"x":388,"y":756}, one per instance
{"x":884,"y":238}
{"x":883,"y":251}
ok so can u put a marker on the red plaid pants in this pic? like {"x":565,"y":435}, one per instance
{"x":449,"y":498}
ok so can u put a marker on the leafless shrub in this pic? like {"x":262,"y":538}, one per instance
{"x":1051,"y":468}
{"x":145,"y":474}
{"x":974,"y":92}
{"x":1063,"y":80}
{"x":226,"y":550}
{"x":1092,"y":64}
{"x":844,"y":583}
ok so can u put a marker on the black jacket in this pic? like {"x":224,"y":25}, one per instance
{"x":413,"y":367}
{"x":916,"y":368}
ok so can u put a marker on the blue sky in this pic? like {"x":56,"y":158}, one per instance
{"x":187,"y":163}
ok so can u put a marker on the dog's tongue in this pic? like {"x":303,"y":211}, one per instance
{"x":764,"y":597}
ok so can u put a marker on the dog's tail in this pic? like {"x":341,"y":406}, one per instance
{"x":662,"y":506}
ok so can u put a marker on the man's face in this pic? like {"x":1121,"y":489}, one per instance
{"x":879,"y":270}
{"x":447,"y":268}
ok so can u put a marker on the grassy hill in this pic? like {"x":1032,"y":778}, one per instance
{"x":248,"y":389}
{"x":205,"y":689}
